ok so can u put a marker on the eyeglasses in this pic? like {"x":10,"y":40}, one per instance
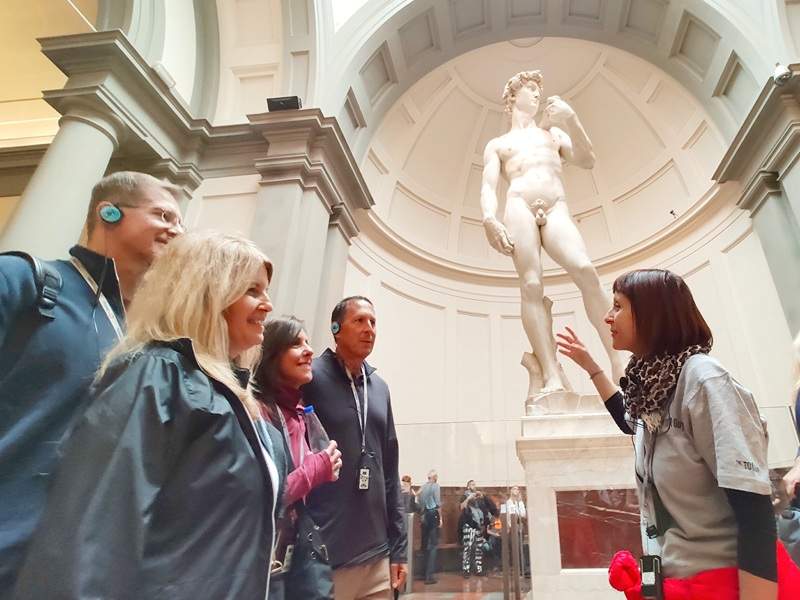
{"x":170,"y":217}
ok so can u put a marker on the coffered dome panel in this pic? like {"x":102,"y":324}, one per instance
{"x":438,"y":153}
{"x":655,"y":147}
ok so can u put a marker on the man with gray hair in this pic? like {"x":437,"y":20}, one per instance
{"x":57,"y":321}
{"x":431,"y":501}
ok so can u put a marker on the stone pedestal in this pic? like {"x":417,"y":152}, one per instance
{"x":577,"y":453}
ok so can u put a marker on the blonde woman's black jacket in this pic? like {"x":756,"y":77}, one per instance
{"x":163,"y":491}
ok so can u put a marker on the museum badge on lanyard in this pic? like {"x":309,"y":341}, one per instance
{"x":363,"y":469}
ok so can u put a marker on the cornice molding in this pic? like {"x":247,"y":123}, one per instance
{"x":308,"y":148}
{"x":108,"y":77}
{"x":299,"y":169}
{"x":342,"y":218}
{"x":752,"y":144}
{"x":21,"y":156}
{"x":309,"y":133}
{"x":107,"y":73}
{"x":761,"y":186}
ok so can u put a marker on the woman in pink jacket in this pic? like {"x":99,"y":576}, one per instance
{"x":285,"y":367}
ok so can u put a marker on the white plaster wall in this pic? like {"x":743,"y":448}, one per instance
{"x":180,"y":45}
{"x":7,"y":206}
{"x":226,"y":204}
{"x":450,"y":350}
{"x":251,"y":52}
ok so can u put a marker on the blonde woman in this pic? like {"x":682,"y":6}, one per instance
{"x":169,"y":482}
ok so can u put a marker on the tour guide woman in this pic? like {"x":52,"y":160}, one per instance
{"x":168,"y":483}
{"x":700,"y":445}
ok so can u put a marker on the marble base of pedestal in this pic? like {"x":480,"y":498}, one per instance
{"x":576,"y":449}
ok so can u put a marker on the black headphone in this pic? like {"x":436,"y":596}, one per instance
{"x":111,"y":214}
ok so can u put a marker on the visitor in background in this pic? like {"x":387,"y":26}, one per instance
{"x":471,"y":524}
{"x":514,"y":505}
{"x":430,"y":499}
{"x":408,"y":494}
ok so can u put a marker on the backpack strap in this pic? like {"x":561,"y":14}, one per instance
{"x":48,"y":283}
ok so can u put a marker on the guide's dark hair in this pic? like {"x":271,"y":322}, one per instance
{"x":665,"y":315}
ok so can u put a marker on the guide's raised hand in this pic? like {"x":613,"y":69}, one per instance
{"x":573,"y":348}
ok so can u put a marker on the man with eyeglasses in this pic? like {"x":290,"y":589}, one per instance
{"x":57,"y":321}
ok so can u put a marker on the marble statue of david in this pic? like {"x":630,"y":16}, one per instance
{"x":536,"y":216}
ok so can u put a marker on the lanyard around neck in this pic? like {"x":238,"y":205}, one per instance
{"x":362,"y":424}
{"x":101,"y":298}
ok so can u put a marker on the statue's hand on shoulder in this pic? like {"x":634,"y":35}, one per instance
{"x":498,"y":237}
{"x":557,"y":110}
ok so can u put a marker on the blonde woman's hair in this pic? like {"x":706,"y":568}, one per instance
{"x":184,"y":295}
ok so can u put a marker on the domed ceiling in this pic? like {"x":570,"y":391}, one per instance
{"x":656,"y":150}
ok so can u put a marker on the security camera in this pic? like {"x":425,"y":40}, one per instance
{"x":782,"y":74}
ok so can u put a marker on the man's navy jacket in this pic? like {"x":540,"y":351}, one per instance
{"x":358,"y":526}
{"x":46,"y":367}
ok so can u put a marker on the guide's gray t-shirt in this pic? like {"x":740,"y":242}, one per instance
{"x":712,"y":438}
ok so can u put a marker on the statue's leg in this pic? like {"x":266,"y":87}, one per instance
{"x":527,"y":259}
{"x":563,"y":242}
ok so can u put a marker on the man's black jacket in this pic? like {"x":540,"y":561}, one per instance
{"x":358,"y":526}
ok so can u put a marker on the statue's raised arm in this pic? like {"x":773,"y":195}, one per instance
{"x":567,"y":130}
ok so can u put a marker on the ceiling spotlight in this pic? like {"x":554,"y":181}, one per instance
{"x":782,"y":74}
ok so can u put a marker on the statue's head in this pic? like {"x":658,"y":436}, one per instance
{"x":528,"y":80}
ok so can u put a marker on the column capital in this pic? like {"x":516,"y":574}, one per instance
{"x":769,"y":137}
{"x":342,"y":219}
{"x":109,"y":77}
{"x":759,"y":187}
{"x":308,"y":147}
{"x":86,"y":111}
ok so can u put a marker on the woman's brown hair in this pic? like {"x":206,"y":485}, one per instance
{"x":666,"y":317}
{"x":280,"y":334}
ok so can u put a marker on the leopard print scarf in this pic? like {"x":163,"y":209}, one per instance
{"x":649,"y":382}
